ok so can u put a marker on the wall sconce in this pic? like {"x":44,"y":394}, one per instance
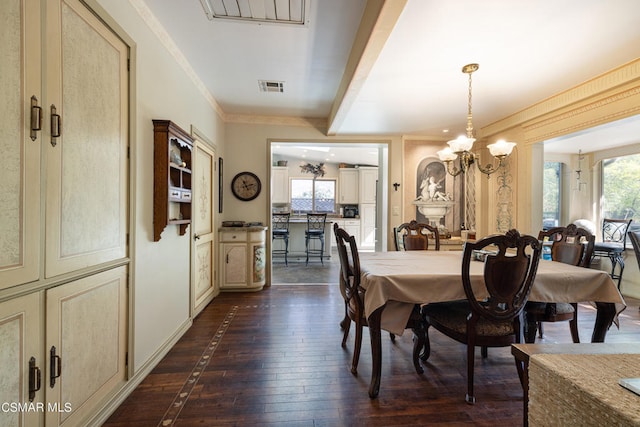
{"x":460,"y":148}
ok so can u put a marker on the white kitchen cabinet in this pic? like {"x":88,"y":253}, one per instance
{"x":348,"y":185}
{"x":368,"y":226}
{"x":351,"y":226}
{"x":279,"y":184}
{"x":242,"y":258}
{"x":368,"y":178}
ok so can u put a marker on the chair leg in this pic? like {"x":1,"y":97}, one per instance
{"x":530,"y":331}
{"x":356,"y":349}
{"x":345,"y":324}
{"x":306,"y":245}
{"x":573,"y":324}
{"x":540,"y":330}
{"x":426,"y":348}
{"x":418,"y":345}
{"x":286,"y":250}
{"x":470,"y":398}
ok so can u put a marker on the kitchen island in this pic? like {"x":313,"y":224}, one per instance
{"x":297,"y":249}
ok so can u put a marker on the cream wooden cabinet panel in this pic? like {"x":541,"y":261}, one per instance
{"x":368,"y":177}
{"x":86,"y":337}
{"x":368,"y":226}
{"x":64,"y":148}
{"x":20,"y":172}
{"x":234,"y":267}
{"x":242,"y":258}
{"x":348,"y":185}
{"x":279,"y":184}
{"x":20,"y":342}
{"x":86,"y":200}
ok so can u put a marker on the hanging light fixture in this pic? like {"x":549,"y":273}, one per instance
{"x":460,"y":148}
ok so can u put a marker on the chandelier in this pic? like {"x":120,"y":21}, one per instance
{"x":460,"y":148}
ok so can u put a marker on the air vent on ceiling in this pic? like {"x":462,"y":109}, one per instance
{"x":258,"y":11}
{"x":271,"y":86}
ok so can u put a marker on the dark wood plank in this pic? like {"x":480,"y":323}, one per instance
{"x":279,"y":362}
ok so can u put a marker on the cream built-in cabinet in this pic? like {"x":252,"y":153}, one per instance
{"x":279,"y":184}
{"x":367,"y":226}
{"x":348,"y":186}
{"x":63,"y":211}
{"x":242,"y":258}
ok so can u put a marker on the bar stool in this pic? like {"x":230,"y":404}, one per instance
{"x":614,"y":241}
{"x":315,"y":230}
{"x":280,"y":230}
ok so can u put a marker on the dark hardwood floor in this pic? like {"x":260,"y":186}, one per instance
{"x":273,"y":358}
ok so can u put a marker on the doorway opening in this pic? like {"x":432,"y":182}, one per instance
{"x":345,"y":180}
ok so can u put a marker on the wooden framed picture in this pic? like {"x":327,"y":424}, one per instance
{"x":220,"y":187}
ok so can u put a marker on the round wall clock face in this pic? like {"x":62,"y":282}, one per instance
{"x":246,"y":186}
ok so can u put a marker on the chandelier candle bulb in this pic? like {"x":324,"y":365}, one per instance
{"x":501,"y":148}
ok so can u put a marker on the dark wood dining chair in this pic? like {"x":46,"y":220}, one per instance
{"x":613,"y":244}
{"x":570,"y":245}
{"x":353,"y":295}
{"x":497,"y":320}
{"x":634,"y":236}
{"x":414,"y":236}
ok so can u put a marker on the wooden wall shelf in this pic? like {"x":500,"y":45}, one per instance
{"x":172,"y":156}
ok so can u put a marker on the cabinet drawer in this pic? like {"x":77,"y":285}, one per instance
{"x":233,"y":236}
{"x":185,"y":195}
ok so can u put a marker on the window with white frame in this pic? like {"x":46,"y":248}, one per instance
{"x":313,"y":195}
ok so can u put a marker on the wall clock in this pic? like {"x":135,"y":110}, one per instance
{"x":246,"y":186}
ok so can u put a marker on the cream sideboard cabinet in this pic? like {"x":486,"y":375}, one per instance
{"x":63,"y":211}
{"x":242,"y":258}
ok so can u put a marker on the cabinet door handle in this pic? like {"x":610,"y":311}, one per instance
{"x":55,"y":365}
{"x":56,"y":125}
{"x":196,"y":237}
{"x":34,"y":378}
{"x":227,"y":259}
{"x":36,"y":117}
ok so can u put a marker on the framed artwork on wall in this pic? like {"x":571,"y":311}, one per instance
{"x":220,"y":187}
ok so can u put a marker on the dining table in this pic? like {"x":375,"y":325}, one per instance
{"x":395,"y":282}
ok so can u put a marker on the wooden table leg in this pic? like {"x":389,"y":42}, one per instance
{"x":604,"y":318}
{"x":376,"y":351}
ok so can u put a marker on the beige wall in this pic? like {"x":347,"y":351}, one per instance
{"x":160,"y":270}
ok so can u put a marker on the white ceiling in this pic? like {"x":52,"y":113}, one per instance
{"x":527,"y":51}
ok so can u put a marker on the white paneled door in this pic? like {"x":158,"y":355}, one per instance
{"x":203,"y":222}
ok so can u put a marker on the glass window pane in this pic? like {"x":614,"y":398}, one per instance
{"x":302,"y":195}
{"x":551,"y":195}
{"x":325,"y":196}
{"x":621,"y":187}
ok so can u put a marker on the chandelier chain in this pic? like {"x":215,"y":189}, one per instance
{"x":469,"y":115}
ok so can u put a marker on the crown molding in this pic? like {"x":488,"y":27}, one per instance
{"x":589,"y":90}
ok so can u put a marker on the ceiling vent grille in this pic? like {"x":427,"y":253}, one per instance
{"x":271,"y":86}
{"x":258,"y":11}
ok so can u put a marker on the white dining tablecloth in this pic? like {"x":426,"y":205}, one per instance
{"x":402,"y":279}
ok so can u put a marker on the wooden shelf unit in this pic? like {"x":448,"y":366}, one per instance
{"x":172,"y":177}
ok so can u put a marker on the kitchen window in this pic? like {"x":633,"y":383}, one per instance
{"x":313,"y":195}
